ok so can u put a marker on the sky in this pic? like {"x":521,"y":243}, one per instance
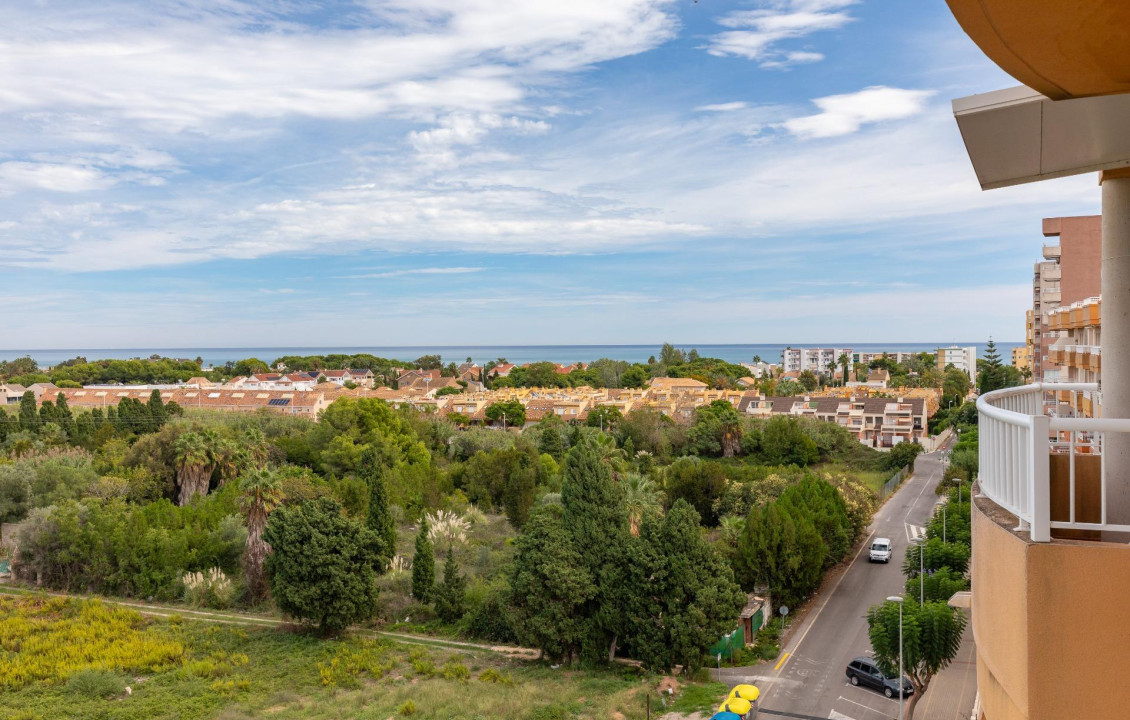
{"x":183,"y":173}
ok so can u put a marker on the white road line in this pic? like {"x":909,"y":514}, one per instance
{"x":839,"y":716}
{"x":865,"y":707}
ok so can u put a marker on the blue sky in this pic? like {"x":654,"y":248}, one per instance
{"x":228,"y":173}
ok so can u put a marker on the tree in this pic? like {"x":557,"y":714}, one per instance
{"x":699,"y":482}
{"x":787,"y":388}
{"x":823,"y":506}
{"x":260,"y":494}
{"x":669,"y":356}
{"x":429,"y":362}
{"x":989,"y":375}
{"x":321,"y":565}
{"x":844,"y":361}
{"x":423,"y":565}
{"x":938,"y":586}
{"x":157,"y":412}
{"x":903,"y":454}
{"x":29,"y":416}
{"x":641,"y":499}
{"x":550,"y":586}
{"x":938,"y":554}
{"x":808,"y":380}
{"x":784,"y":442}
{"x":717,"y":430}
{"x":594,"y":512}
{"x":379,"y":519}
{"x":604,"y":417}
{"x":510,"y":412}
{"x":780,"y":551}
{"x":450,"y":594}
{"x":689,"y":595}
{"x":931,"y":637}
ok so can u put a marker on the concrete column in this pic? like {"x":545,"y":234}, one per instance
{"x":1116,"y":338}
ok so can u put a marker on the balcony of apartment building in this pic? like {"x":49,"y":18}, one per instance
{"x":1051,"y":563}
{"x":1052,"y":252}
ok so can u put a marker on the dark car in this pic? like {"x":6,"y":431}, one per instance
{"x":865,"y":671}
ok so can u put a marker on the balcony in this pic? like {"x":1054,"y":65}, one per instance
{"x":1044,"y":466}
{"x":1045,"y":546}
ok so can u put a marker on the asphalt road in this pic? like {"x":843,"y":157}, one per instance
{"x":808,"y":680}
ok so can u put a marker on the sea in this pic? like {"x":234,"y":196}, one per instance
{"x":518,"y":354}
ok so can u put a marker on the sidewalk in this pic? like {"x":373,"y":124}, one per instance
{"x":952,"y":692}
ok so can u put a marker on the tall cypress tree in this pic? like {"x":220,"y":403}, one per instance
{"x":63,"y":415}
{"x":596,"y":516}
{"x":29,"y":416}
{"x":380,"y":519}
{"x":423,"y":565}
{"x":157,"y":412}
{"x":452,"y":591}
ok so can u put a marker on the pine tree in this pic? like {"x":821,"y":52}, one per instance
{"x":990,"y":377}
{"x":380,"y":519}
{"x":451,"y":592}
{"x":423,"y":565}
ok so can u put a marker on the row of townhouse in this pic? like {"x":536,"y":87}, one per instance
{"x":875,"y":421}
{"x":289,"y":402}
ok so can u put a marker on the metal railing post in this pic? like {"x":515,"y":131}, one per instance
{"x":1039,"y":480}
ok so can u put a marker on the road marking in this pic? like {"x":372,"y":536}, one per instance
{"x":839,"y":716}
{"x":913,"y":532}
{"x":865,"y":707}
{"x":784,"y":657}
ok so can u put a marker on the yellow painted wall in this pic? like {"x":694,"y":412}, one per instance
{"x":1051,"y":625}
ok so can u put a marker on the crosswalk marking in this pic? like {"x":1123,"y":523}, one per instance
{"x":914,"y":532}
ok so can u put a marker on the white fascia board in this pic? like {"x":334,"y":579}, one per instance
{"x":1018,"y":136}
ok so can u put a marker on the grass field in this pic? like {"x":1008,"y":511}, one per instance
{"x":873,"y":479}
{"x":62,"y":658}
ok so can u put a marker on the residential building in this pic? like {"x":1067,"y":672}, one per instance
{"x":1022,"y":358}
{"x":11,"y":393}
{"x":875,"y":421}
{"x":962,"y":358}
{"x":307,"y":404}
{"x":1051,"y":517}
{"x":1069,"y":272}
{"x":818,"y":360}
{"x":1077,"y":350}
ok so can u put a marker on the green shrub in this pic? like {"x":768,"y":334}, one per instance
{"x":490,"y":675}
{"x":96,"y":684}
{"x":408,"y":708}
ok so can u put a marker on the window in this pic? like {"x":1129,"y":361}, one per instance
{"x":214,"y":395}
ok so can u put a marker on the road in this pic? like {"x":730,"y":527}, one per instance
{"x":808,"y":680}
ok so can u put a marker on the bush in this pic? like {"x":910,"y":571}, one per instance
{"x":96,"y":684}
{"x":210,"y":588}
{"x":491,"y":620}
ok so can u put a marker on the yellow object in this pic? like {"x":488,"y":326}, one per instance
{"x":745,"y":692}
{"x":736,"y":705}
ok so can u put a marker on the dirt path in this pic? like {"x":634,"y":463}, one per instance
{"x":231,"y":618}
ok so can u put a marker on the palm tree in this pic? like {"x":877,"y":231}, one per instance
{"x":261,"y":493}
{"x":844,"y":361}
{"x":641,"y":497}
{"x":194,"y":466}
{"x":731,"y":527}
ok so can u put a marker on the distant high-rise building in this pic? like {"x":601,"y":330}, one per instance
{"x":962,"y":358}
{"x":1070,"y":272}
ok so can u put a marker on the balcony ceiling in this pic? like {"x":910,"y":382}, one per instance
{"x":1060,"y":48}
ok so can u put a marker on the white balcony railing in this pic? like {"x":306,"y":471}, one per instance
{"x":1019,"y":430}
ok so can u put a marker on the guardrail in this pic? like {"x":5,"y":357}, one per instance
{"x":1020,"y":430}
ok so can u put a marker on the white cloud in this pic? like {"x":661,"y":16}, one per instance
{"x":437,"y":146}
{"x":722,"y":107}
{"x":756,"y":34}
{"x":418,"y":271}
{"x":56,"y":177}
{"x":844,"y":114}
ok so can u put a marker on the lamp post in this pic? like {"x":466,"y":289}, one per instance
{"x":943,"y":504}
{"x":922,"y":570}
{"x":898,"y":599}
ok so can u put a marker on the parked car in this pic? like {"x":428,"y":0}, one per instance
{"x":865,"y":671}
{"x":880,"y":550}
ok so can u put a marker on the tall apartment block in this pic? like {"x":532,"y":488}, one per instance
{"x":1069,"y":272}
{"x":962,"y":358}
{"x":818,"y":360}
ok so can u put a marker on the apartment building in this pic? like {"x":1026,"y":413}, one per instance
{"x":307,"y":404}
{"x":1051,"y":518}
{"x":1022,"y":358}
{"x":876,"y":422}
{"x":818,"y":360}
{"x":1069,"y":272}
{"x":1077,"y":350}
{"x":962,"y":358}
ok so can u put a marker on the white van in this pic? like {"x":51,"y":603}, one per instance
{"x":881,"y":550}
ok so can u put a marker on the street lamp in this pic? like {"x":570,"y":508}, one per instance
{"x":898,"y":599}
{"x":922,"y":570}
{"x":943,"y":504}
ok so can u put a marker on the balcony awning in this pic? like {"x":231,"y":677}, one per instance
{"x":1018,"y":136}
